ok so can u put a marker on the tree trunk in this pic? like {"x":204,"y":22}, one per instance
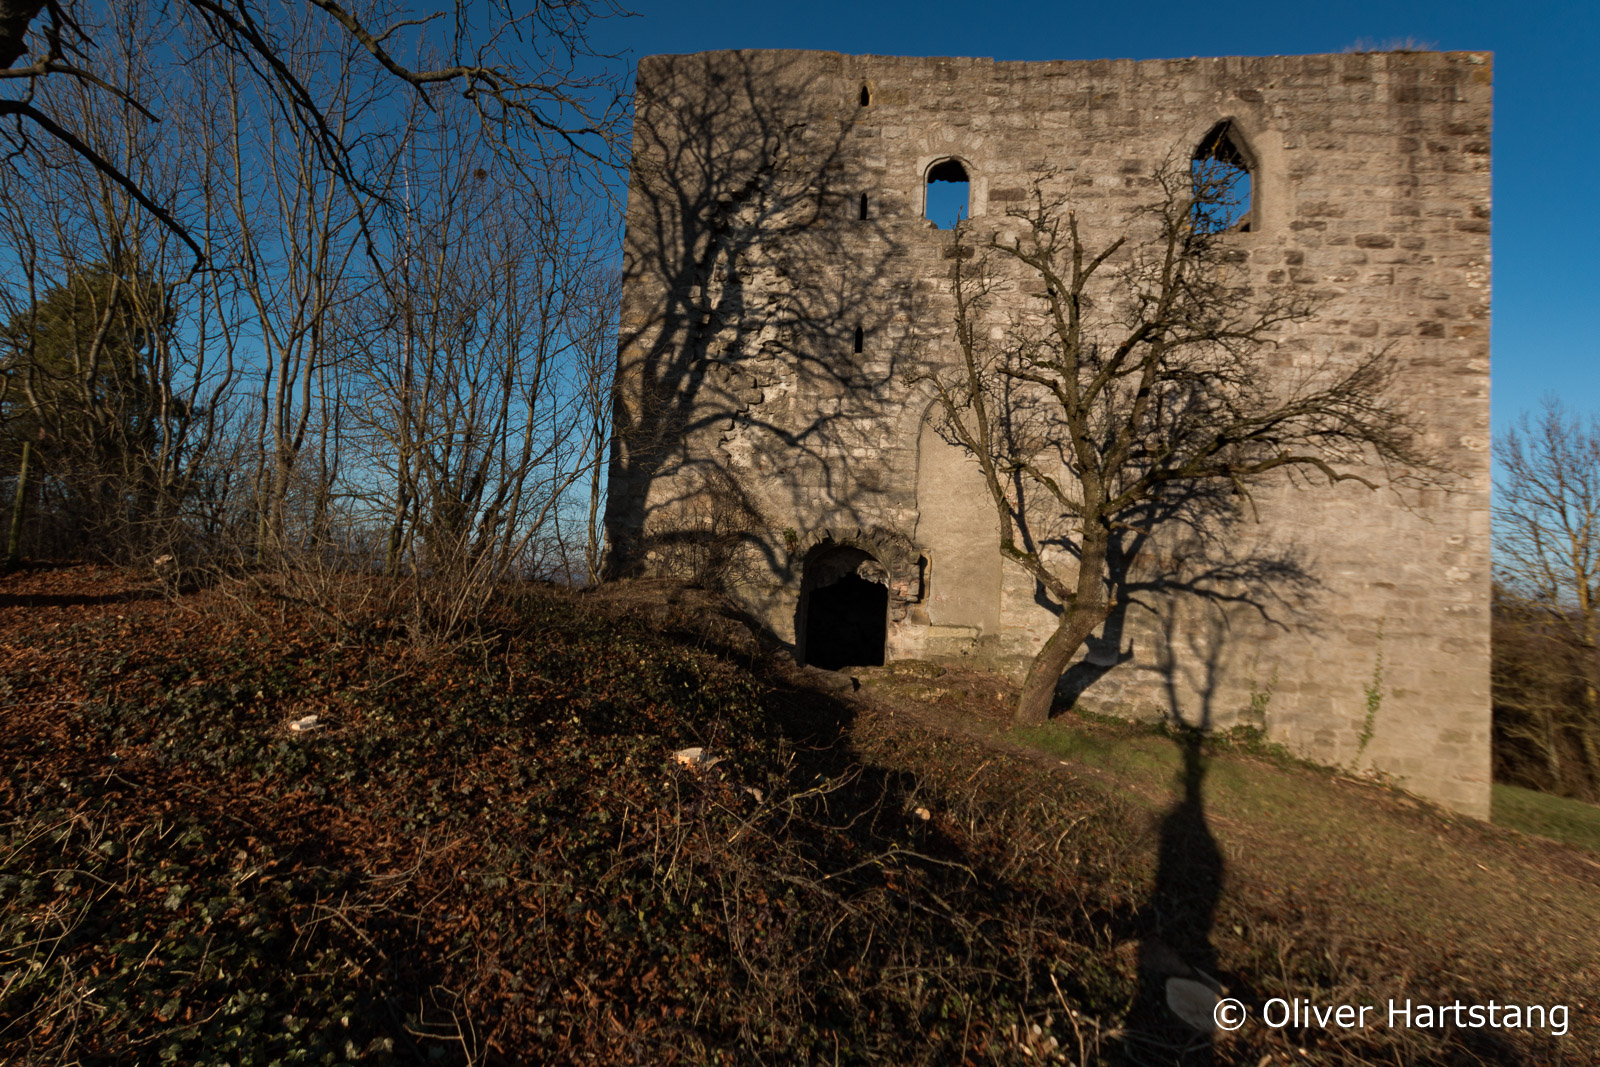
{"x":1087,"y":610}
{"x":397,"y":528}
{"x":1039,"y":688}
{"x":1590,"y":744}
{"x":14,"y":542}
{"x":591,"y":546}
{"x":1552,"y":750}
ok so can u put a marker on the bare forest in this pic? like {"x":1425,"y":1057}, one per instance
{"x":314,"y":292}
{"x":1547,"y":604}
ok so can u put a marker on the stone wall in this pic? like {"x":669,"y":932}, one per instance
{"x":755,"y":439}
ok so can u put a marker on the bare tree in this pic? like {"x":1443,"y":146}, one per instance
{"x":474,"y":359}
{"x":595,"y":341}
{"x":519,"y":72}
{"x":1547,"y":569}
{"x":1133,"y":388}
{"x":396,"y":348}
{"x":111,"y":367}
{"x":294,"y":255}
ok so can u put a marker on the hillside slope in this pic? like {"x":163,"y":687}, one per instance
{"x":490,"y":853}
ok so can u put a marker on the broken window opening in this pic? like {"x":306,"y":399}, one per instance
{"x":860,"y":338}
{"x":846,"y":610}
{"x":1222,"y":183}
{"x":866,"y":96}
{"x":947,"y":194}
{"x":863,"y":207}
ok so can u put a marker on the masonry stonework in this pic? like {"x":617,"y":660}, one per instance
{"x":772,"y":435}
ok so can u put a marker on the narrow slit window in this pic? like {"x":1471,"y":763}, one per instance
{"x":863,"y":207}
{"x":866,"y":96}
{"x":861,"y":338}
{"x":1223,"y":192}
{"x":948,"y":190}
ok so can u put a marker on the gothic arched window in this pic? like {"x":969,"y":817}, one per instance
{"x":1221,"y":172}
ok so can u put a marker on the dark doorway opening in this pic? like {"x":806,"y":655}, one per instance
{"x":844,"y":616}
{"x":846,"y":624}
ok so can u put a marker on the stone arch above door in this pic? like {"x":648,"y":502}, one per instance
{"x":901,"y":560}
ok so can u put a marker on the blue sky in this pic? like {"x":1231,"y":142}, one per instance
{"x":1547,"y":114}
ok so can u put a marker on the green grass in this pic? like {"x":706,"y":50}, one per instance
{"x":1148,"y":754}
{"x":1062,"y":740}
{"x":1570,"y":821}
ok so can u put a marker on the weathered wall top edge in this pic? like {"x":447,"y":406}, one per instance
{"x":1476,"y":57}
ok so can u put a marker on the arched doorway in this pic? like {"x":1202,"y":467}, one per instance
{"x":844,"y":609}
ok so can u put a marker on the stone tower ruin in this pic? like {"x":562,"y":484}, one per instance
{"x":783,"y":285}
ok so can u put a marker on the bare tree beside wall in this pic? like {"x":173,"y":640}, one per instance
{"x":1134,"y":380}
{"x":1547,"y":601}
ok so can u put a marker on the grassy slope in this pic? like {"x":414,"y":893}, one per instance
{"x":1409,"y":870}
{"x":1396,"y":879}
{"x":1559,"y":818}
{"x":488,"y":854}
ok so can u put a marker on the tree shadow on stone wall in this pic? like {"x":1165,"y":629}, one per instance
{"x":747,"y":275}
{"x":1187,"y":552}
